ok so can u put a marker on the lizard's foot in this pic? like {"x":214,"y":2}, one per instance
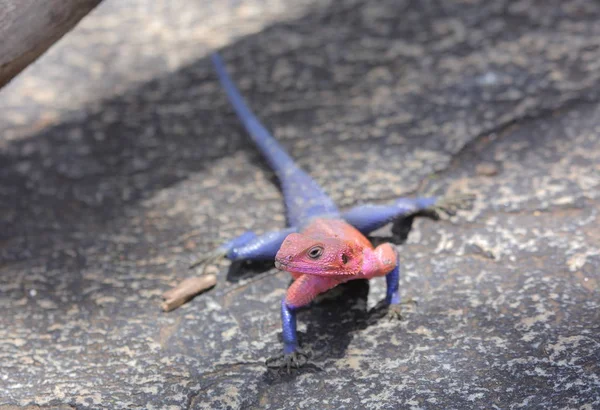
{"x":209,"y":258}
{"x":391,"y":311}
{"x":449,"y":205}
{"x":394,"y":312}
{"x":288,"y":361}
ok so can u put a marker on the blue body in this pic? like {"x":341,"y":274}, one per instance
{"x":304,"y":200}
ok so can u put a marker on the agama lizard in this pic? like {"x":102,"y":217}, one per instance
{"x":322,"y":246}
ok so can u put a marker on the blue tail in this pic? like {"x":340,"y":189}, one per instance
{"x":304,"y":198}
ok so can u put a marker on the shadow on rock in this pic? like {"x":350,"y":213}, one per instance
{"x":400,"y":228}
{"x":331,"y":322}
{"x":242,"y":270}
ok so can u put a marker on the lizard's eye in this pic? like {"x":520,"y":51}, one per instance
{"x":345,"y":258}
{"x":315,"y":252}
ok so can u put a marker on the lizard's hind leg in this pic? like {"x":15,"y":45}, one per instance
{"x":247,"y":246}
{"x":216,"y":254}
{"x":368,"y":218}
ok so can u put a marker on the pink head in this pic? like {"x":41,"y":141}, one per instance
{"x":326,"y":257}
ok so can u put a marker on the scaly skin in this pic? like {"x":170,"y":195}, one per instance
{"x":322,"y":247}
{"x":326,"y":253}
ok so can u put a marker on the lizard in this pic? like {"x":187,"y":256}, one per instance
{"x":322,"y":246}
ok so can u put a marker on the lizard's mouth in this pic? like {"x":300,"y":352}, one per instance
{"x":296,"y":267}
{"x":306,"y":269}
{"x":287,"y":266}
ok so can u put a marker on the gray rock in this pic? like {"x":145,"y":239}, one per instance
{"x":122,"y":161}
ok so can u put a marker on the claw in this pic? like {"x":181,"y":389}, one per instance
{"x":450,"y":205}
{"x":394,"y":312}
{"x":208,"y":259}
{"x":288,"y":361}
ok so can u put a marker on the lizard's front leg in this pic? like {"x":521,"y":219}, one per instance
{"x":392,"y":296}
{"x":387,"y":253}
{"x":299,"y":294}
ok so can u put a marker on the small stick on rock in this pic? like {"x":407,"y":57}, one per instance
{"x":487,"y":169}
{"x":187,"y":289}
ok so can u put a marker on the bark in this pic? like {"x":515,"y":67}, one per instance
{"x":29,"y":27}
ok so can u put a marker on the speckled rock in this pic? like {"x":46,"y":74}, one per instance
{"x":121,"y":161}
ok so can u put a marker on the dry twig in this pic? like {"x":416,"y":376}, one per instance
{"x":187,"y":289}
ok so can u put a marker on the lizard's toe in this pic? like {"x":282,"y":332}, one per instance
{"x":394,"y":312}
{"x":208,"y":259}
{"x":288,"y":361}
{"x":451,"y":204}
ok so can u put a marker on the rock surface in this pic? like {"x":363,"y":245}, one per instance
{"x":121,"y":161}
